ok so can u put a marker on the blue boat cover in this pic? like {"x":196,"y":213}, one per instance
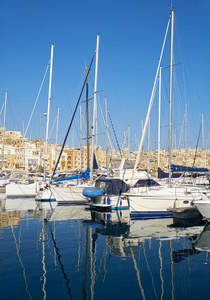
{"x":177,"y":168}
{"x":92,"y":192}
{"x":84,"y":175}
{"x":162,"y":174}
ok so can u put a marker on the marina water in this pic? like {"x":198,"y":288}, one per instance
{"x":62,"y":252}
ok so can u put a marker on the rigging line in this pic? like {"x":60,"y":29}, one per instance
{"x":197,"y":145}
{"x":36,"y":99}
{"x":52,"y":127}
{"x":2,"y":108}
{"x":13,"y":119}
{"x":185,"y":73}
{"x":114,"y":133}
{"x":181,"y":134}
{"x":73,"y":117}
{"x":104,"y":119}
{"x":65,"y":89}
{"x":59,"y":259}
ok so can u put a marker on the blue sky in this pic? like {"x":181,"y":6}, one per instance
{"x":131,"y":37}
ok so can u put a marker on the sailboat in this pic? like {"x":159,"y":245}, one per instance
{"x":158,"y":201}
{"x":30,"y":188}
{"x":72,"y":193}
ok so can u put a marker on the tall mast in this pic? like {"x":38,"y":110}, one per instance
{"x":159,"y":114}
{"x":149,"y":108}
{"x":40,"y":145}
{"x":185,"y":135}
{"x":87,"y":116}
{"x":94,"y":105}
{"x":48,"y":112}
{"x":107,"y":146}
{"x":80,"y":110}
{"x":203,"y":140}
{"x":128,"y":140}
{"x":171,"y":90}
{"x":24,"y":151}
{"x":148,"y":156}
{"x":56,"y":138}
{"x":5,"y":107}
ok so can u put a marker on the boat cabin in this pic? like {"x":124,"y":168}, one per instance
{"x":112,"y":186}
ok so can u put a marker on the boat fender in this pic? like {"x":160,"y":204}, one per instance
{"x":176,"y":203}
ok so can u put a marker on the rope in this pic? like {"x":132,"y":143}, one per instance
{"x":197,"y":145}
{"x":114,"y":133}
{"x":72,"y":118}
{"x":36,"y":100}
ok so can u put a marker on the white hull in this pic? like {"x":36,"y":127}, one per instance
{"x":19,"y":190}
{"x":109,"y":203}
{"x":45,"y":195}
{"x":69,"y":195}
{"x":157,"y":202}
{"x":203,"y":205}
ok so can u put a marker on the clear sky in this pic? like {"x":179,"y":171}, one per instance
{"x":131,"y":37}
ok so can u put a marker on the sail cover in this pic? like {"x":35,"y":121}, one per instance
{"x":95,"y":164}
{"x":162,"y":174}
{"x":178,"y":168}
{"x":84,"y":175}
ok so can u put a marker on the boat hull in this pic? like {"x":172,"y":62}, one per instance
{"x":203,"y":205}
{"x":158,"y":203}
{"x":105,"y":202}
{"x":20,"y":190}
{"x":69,"y":195}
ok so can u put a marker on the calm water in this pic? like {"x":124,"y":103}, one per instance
{"x":68,"y":252}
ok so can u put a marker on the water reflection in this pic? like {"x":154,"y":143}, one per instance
{"x":202,"y":243}
{"x":70,"y":251}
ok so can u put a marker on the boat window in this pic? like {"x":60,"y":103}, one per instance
{"x":129,"y":164}
{"x":146,"y":182}
{"x":121,"y":187}
{"x":100,"y":185}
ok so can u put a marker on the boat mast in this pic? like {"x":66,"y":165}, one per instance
{"x":87,"y":116}
{"x":149,"y":108}
{"x":148,"y":156}
{"x":185,"y":135}
{"x":56,"y":139}
{"x":5,"y":107}
{"x":81,"y":152}
{"x":170,"y":99}
{"x":94,"y":107}
{"x":40,"y":144}
{"x":128,"y":141}
{"x":24,"y":150}
{"x":48,"y":112}
{"x":107,"y":146}
{"x":159,"y":114}
{"x":203,"y":140}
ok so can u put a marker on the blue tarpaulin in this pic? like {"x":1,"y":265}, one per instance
{"x":92,"y":192}
{"x":84,"y":175}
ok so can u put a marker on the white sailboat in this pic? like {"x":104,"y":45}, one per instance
{"x":72,"y":194}
{"x":46,"y":194}
{"x":30,"y":188}
{"x":154,"y":202}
